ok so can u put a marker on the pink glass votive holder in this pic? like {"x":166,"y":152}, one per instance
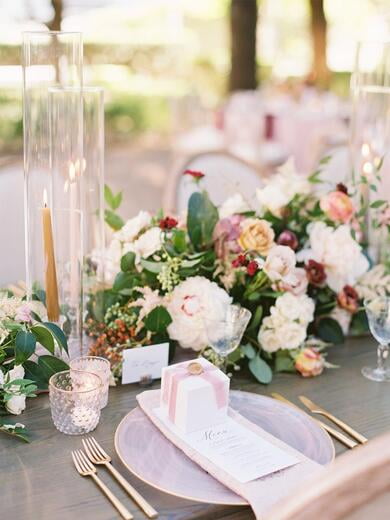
{"x":99,"y":366}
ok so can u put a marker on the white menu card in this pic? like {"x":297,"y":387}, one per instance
{"x":235,"y":449}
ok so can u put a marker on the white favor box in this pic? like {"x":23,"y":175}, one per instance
{"x":197,"y":406}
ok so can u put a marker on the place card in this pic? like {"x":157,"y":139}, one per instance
{"x":235,"y":449}
{"x":144,"y":361}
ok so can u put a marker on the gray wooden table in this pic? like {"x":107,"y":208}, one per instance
{"x":38,"y":481}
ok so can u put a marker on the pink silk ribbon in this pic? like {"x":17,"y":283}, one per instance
{"x":175,"y":375}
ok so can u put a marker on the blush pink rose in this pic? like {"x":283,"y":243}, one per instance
{"x":337,"y":206}
{"x":299,"y":286}
{"x":309,"y":362}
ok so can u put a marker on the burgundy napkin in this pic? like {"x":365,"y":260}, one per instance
{"x":261,"y":493}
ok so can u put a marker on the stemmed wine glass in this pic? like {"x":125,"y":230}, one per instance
{"x":224,"y":334}
{"x":378,"y":314}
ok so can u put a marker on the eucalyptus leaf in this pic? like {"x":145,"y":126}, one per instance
{"x":260,"y":370}
{"x":248,"y":350}
{"x":25,"y":343}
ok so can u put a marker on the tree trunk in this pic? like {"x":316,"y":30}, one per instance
{"x":243,"y":21}
{"x":318,"y":25}
{"x":55,"y":22}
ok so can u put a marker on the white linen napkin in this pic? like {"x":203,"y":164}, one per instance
{"x":261,"y":493}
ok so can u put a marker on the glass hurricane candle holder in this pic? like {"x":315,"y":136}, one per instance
{"x":96,"y":365}
{"x":49,"y":59}
{"x":75,"y":400}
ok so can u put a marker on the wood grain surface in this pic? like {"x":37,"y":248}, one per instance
{"x":38,"y":480}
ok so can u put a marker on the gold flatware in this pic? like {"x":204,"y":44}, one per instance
{"x":334,"y":433}
{"x":97,"y":455}
{"x":86,"y":469}
{"x":318,"y":410}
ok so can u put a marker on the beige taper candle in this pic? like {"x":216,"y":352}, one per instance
{"x":52,"y":306}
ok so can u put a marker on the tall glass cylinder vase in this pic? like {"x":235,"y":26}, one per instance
{"x":370,"y":135}
{"x":52,"y":151}
{"x":93,"y":199}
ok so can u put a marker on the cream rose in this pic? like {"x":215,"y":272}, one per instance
{"x":256,"y":235}
{"x":17,"y":403}
{"x":295,"y":308}
{"x":280,"y":265}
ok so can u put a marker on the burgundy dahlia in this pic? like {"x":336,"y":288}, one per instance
{"x":288,"y":238}
{"x":168,"y":223}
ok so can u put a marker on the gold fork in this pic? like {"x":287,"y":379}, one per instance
{"x":86,"y":469}
{"x":97,"y":455}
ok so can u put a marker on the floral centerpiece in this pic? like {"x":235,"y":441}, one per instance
{"x":23,"y":369}
{"x":294,"y":261}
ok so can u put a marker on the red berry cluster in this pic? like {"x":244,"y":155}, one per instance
{"x":168,"y":223}
{"x":251,"y":265}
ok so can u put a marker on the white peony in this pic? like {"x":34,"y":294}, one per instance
{"x":340,"y":254}
{"x":147,"y":244}
{"x":295,"y":308}
{"x":17,"y":403}
{"x":233,"y":205}
{"x":280,"y":265}
{"x":269,"y":340}
{"x":291,"y":335}
{"x":282,"y":188}
{"x":133,"y":227}
{"x":192,"y":305}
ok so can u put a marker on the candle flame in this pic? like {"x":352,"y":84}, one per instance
{"x":45,"y":198}
{"x":72,"y":172}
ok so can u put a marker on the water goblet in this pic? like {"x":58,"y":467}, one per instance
{"x":225,"y":333}
{"x":378,"y":315}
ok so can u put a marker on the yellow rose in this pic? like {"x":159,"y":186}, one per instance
{"x":256,"y":235}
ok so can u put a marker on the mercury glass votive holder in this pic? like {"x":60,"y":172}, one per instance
{"x":75,"y":401}
{"x":97,"y":365}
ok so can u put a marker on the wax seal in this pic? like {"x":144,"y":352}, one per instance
{"x":195,"y":368}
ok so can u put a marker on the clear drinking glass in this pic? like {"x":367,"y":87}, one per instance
{"x":97,"y":365}
{"x":378,"y":314}
{"x":75,"y":400}
{"x":224,"y":335}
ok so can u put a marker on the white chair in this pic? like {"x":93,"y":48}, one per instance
{"x":355,"y":487}
{"x":225,"y":175}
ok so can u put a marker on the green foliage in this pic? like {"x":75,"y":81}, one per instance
{"x":330,"y":331}
{"x":24,"y":346}
{"x":44,"y":336}
{"x":284,"y":362}
{"x":201,"y":220}
{"x":128,"y":261}
{"x":58,"y":335}
{"x":42,"y":370}
{"x":113,"y":201}
{"x":260,"y":369}
{"x":113,"y":220}
{"x":158,"y":320}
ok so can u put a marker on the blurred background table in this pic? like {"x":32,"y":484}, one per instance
{"x":42,"y":482}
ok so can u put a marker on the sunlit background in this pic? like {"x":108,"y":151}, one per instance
{"x":165,"y":66}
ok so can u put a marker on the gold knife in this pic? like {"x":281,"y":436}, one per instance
{"x":336,"y":434}
{"x":317,"y":409}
